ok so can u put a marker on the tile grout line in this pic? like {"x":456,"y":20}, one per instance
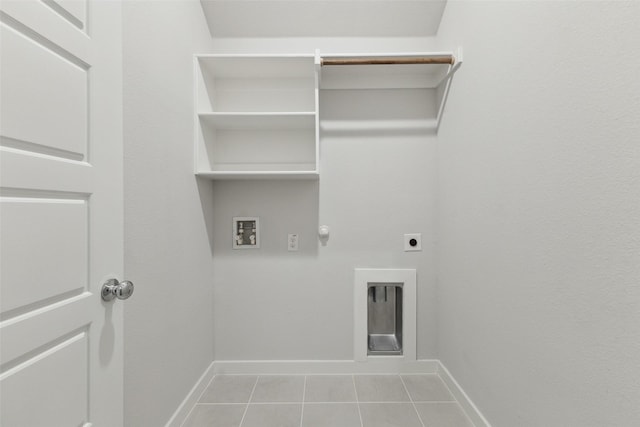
{"x":412,"y":402}
{"x":249,"y":401}
{"x":304,"y":392}
{"x":304,"y":403}
{"x":198,"y":400}
{"x":355,"y":389}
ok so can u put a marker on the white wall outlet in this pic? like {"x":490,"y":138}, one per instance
{"x":412,"y":242}
{"x":292,"y":242}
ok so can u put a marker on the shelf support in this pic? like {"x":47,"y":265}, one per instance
{"x":447,"y":79}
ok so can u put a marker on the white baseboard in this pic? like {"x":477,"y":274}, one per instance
{"x":181,"y":414}
{"x":375,"y":365}
{"x":467,"y":404}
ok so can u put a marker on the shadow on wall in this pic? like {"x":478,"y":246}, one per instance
{"x":378,"y":113}
{"x":205,"y":190}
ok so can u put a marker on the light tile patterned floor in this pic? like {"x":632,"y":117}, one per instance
{"x":327,"y":401}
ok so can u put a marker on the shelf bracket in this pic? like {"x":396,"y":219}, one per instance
{"x":447,"y":82}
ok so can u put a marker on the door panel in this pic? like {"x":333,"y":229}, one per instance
{"x":61,"y":213}
{"x":44,"y":248}
{"x":57,"y":379}
{"x":26,"y":333}
{"x":72,"y":10}
{"x":43,"y":25}
{"x":21,"y":173}
{"x":55,"y":100}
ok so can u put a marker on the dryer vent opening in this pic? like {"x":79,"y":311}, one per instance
{"x":384,"y":319}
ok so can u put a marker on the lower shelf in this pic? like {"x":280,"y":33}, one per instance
{"x":313,"y":175}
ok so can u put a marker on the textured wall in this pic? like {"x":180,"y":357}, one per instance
{"x":168,"y":337}
{"x":539,"y":212}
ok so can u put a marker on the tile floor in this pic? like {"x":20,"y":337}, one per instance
{"x":327,"y":401}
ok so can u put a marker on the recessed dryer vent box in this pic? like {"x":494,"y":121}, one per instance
{"x":246,"y":232}
{"x":384,"y":314}
{"x":384,"y":319}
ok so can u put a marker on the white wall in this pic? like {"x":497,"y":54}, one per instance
{"x":536,"y":207}
{"x":538,"y":212}
{"x":168,"y":336}
{"x":271,"y":304}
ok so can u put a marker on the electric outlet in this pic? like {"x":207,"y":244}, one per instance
{"x":413,"y":242}
{"x":292,"y":242}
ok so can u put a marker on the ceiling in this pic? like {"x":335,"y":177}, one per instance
{"x":323,"y":18}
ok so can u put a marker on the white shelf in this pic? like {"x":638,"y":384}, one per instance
{"x":252,"y":66}
{"x":237,"y":175}
{"x":257,"y":117}
{"x":249,"y":143}
{"x":271,"y":120}
{"x":427,"y":125}
{"x":241,"y":83}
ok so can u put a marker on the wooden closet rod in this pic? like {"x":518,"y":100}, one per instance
{"x":448,"y":59}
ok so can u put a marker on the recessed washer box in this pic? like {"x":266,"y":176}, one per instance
{"x":246,"y":232}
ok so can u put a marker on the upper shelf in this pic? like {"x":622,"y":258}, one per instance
{"x":258,"y":115}
{"x":254,"y":83}
{"x":241,"y":66}
{"x":386,"y":71}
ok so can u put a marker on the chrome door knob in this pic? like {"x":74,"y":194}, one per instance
{"x":113,"y":289}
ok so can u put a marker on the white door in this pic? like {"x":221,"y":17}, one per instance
{"x":61,"y":213}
